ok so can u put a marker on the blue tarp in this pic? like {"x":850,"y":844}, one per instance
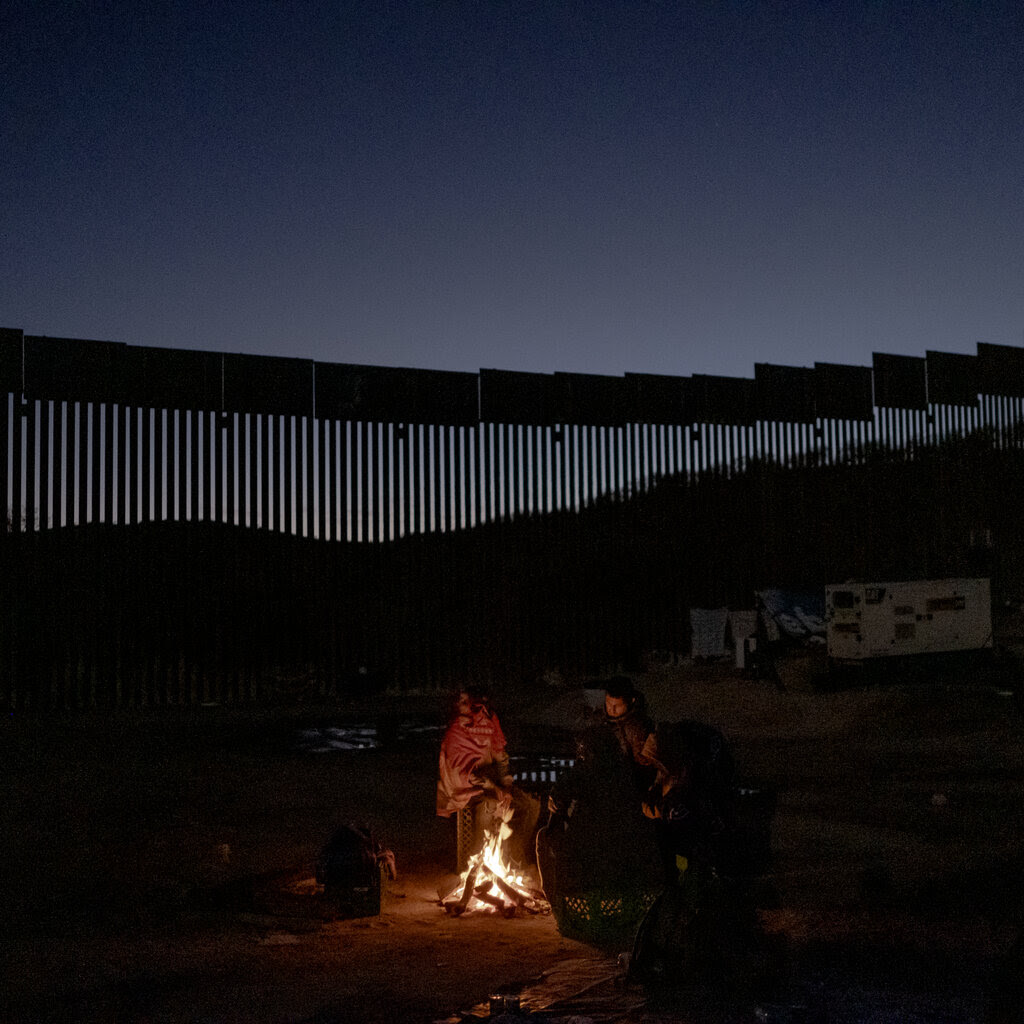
{"x":792,"y":614}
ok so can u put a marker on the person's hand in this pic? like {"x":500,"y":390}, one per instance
{"x":483,"y":783}
{"x":504,"y":802}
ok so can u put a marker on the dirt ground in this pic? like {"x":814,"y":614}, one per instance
{"x":159,"y":866}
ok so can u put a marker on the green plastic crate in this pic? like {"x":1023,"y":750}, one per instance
{"x":602,"y":918}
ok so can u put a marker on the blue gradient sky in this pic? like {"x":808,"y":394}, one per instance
{"x":592,"y":187}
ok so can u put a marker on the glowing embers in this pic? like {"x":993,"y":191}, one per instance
{"x":490,"y":884}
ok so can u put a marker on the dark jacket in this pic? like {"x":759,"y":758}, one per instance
{"x":631,"y":731}
{"x":692,"y":798}
{"x":598,"y":836}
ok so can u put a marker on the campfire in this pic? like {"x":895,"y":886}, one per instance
{"x":489,"y":883}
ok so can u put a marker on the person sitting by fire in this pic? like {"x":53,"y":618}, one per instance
{"x":625,"y":716}
{"x":474,"y":772}
{"x":596,"y":837}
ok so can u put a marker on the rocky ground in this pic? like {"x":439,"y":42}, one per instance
{"x":159,"y":866}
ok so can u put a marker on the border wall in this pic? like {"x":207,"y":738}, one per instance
{"x":188,"y":526}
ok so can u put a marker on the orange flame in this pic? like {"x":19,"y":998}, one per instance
{"x":490,"y":883}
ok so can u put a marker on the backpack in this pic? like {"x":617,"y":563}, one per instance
{"x":349,"y":868}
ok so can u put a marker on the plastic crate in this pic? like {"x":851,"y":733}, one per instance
{"x":463,"y":838}
{"x":602,"y":918}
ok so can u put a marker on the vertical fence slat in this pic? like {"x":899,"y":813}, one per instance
{"x":45,"y":465}
{"x":388,"y":488}
{"x":32,"y":466}
{"x":322,"y":432}
{"x":6,"y":400}
{"x":261,"y":476}
{"x":18,"y":464}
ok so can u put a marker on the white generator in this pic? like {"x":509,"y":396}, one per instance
{"x":882,"y":620}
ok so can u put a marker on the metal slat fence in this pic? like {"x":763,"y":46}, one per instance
{"x":116,"y":439}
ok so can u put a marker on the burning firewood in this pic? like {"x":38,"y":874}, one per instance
{"x":482,"y":893}
{"x":505,"y":894}
{"x":490,"y":884}
{"x":519,"y":898}
{"x":459,"y":906}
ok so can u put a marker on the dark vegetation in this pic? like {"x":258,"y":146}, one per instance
{"x":181,"y":613}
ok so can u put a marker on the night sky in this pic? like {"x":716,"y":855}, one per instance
{"x":590,"y":187}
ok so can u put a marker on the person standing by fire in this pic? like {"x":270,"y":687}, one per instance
{"x":691,"y":800}
{"x":474,"y":773}
{"x":704,"y":923}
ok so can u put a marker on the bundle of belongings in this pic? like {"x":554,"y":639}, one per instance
{"x":352,"y":867}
